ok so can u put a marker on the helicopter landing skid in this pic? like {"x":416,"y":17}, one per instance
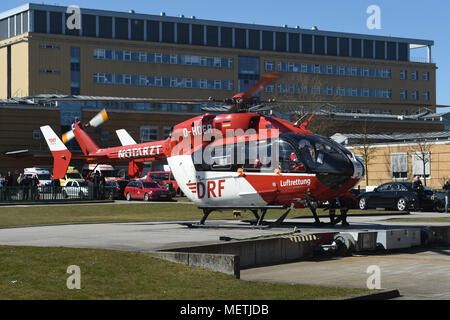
{"x":259,"y":218}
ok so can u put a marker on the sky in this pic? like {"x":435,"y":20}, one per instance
{"x":418,"y":19}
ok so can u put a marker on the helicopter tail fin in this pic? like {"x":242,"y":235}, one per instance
{"x":61,"y":155}
{"x":125,"y":138}
{"x":87,"y":145}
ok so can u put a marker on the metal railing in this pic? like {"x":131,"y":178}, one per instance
{"x":49,"y":194}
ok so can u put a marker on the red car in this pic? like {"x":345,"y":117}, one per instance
{"x":168,"y":179}
{"x":146,"y":190}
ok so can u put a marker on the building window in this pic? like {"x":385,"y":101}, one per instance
{"x":183,"y":33}
{"x":49,"y":71}
{"x":421,"y":164}
{"x":167,"y":131}
{"x":306,"y":43}
{"x":269,"y":65}
{"x":356,"y":48}
{"x":414,"y":75}
{"x":403,"y":75}
{"x":168,"y":32}
{"x":149,"y":133}
{"x":240,"y":38}
{"x":425,"y":76}
{"x":36,"y":134}
{"x":415,"y":95}
{"x":75,"y":71}
{"x":267,"y":40}
{"x":253,"y":39}
{"x":294,"y":42}
{"x":226,"y":37}
{"x":426,"y":96}
{"x":368,"y":49}
{"x":212,"y":36}
{"x":399,"y":165}
{"x":403,"y":94}
{"x":48,"y":46}
{"x":280,"y":41}
{"x":403,"y":52}
{"x":319,"y":44}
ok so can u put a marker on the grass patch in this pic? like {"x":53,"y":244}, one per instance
{"x":40,"y":273}
{"x":137,"y":212}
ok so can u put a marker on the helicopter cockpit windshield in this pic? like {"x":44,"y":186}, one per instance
{"x":316,"y":154}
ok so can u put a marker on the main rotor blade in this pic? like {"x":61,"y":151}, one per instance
{"x":101,"y":117}
{"x":127,"y":99}
{"x":260,"y":85}
{"x":275,"y":101}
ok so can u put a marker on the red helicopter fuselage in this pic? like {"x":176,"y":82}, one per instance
{"x":214,"y":161}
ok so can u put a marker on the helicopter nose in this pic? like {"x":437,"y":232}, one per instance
{"x":358,"y":167}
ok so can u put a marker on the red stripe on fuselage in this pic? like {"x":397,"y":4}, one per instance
{"x":284,"y":189}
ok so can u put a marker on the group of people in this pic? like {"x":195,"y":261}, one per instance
{"x":419,"y":189}
{"x":28,"y":186}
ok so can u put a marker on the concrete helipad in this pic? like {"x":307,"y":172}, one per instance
{"x":418,"y":274}
{"x":145,"y":236}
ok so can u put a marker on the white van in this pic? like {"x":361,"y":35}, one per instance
{"x":43,"y":175}
{"x":107,"y":171}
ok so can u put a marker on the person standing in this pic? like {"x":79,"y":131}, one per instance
{"x":9,"y":180}
{"x":446,"y":187}
{"x":2,"y":182}
{"x":96,"y":182}
{"x":418,"y":189}
{"x":101,"y":187}
{"x":56,"y":186}
{"x":34,"y":184}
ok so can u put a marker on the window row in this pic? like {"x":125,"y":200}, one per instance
{"x":330,"y":69}
{"x":150,"y":57}
{"x":49,"y":71}
{"x":420,"y":162}
{"x":331,"y":91}
{"x":154,"y":81}
{"x":414,"y":95}
{"x":191,"y":32}
{"x":414,"y":75}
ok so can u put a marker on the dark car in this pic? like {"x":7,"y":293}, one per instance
{"x":114,"y":189}
{"x":396,"y":195}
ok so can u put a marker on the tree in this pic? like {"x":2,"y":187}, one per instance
{"x":422,"y":152}
{"x":367,"y":150}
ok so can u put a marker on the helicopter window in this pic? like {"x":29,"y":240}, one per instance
{"x":252,"y":156}
{"x":288,"y":159}
{"x":307,"y":150}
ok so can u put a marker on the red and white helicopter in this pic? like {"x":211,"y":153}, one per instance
{"x":237,"y":160}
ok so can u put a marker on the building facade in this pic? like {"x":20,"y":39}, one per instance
{"x":59,"y":50}
{"x":55,"y":50}
{"x":402,"y":157}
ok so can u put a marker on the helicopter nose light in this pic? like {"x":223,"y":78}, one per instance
{"x":240,"y":171}
{"x":277,"y":171}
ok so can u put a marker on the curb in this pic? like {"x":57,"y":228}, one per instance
{"x":383,"y":295}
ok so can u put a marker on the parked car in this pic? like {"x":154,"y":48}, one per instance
{"x":167,"y":178}
{"x":146,"y":190}
{"x":114,"y":189}
{"x":71,"y":174}
{"x":396,"y":195}
{"x":75,"y":189}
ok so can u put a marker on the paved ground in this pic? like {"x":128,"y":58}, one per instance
{"x":416,"y":274}
{"x":160,"y":235}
